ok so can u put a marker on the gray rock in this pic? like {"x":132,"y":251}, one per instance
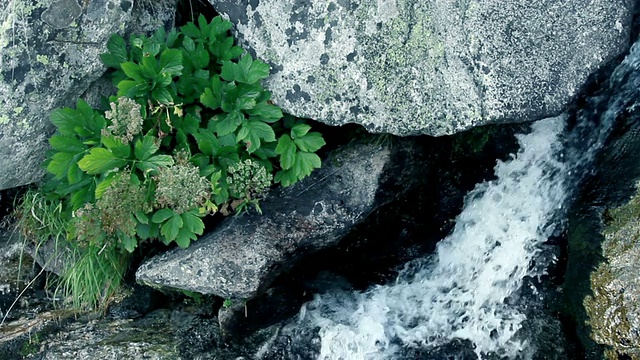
{"x":243,"y":255}
{"x":48,"y":58}
{"x":429,"y":67}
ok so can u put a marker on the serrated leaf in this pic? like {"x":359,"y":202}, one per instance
{"x":80,"y":197}
{"x":143,"y":231}
{"x":100,"y":160}
{"x":210,"y":99}
{"x":228,"y":71}
{"x":184,"y":237}
{"x":229,"y":123}
{"x":59,"y":164}
{"x":154,"y":163}
{"x":257,"y":131}
{"x":300,"y":130}
{"x":171,"y":62}
{"x":117,"y":51}
{"x":162,"y":96}
{"x":149,"y":68}
{"x":193,"y":223}
{"x":171,"y":228}
{"x":117,"y":147}
{"x":207,"y":142}
{"x":132,"y":70}
{"x":191,"y":30}
{"x":145,"y":148}
{"x":74,"y":174}
{"x":259,"y":70}
{"x":66,"y":120}
{"x":305,"y":163}
{"x":129,"y":243}
{"x":310,"y":142}
{"x":188,"y":44}
{"x":287,"y":151}
{"x":162,"y":215}
{"x":66,"y":144}
{"x":132,"y":88}
{"x":103,"y":185}
{"x":266,"y":112}
{"x":285,"y":177}
{"x":172,"y":37}
{"x":141,"y":217}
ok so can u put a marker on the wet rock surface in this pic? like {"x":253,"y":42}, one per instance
{"x":415,"y":67}
{"x":243,"y":255}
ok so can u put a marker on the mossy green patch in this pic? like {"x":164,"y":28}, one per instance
{"x":614,"y":307}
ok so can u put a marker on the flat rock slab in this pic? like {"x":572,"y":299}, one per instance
{"x":49,"y":56}
{"x":243,"y":255}
{"x":429,"y":67}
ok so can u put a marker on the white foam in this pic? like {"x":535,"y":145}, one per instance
{"x":459,"y":291}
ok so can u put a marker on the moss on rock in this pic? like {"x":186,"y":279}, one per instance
{"x":614,"y":307}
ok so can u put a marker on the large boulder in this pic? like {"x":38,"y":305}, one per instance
{"x":48,"y":58}
{"x":429,"y":67}
{"x":244,"y":254}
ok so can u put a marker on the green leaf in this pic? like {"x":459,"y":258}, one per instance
{"x":208,"y":143}
{"x":103,"y":185}
{"x":162,"y":215}
{"x":300,"y":130}
{"x":117,"y":52}
{"x":191,"y":30}
{"x":132,"y":70}
{"x":255,"y":132}
{"x":132,"y":88}
{"x":59,"y":164}
{"x":229,"y":71}
{"x":210,"y":99}
{"x":117,"y":147}
{"x":143,"y":231}
{"x":285,"y":177}
{"x":66,"y":144}
{"x":100,"y":160}
{"x":310,"y":142}
{"x":141,"y":217}
{"x":161,"y":160}
{"x":305,"y":163}
{"x":162,"y":96}
{"x":129,"y":243}
{"x":266,"y":112}
{"x":154,"y":163}
{"x":226,"y":124}
{"x":259,"y":70}
{"x":145,"y":148}
{"x":287,"y":151}
{"x":171,"y":62}
{"x":184,"y":238}
{"x":193,"y":223}
{"x":171,"y":228}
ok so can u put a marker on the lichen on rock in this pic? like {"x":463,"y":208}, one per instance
{"x":614,"y":307}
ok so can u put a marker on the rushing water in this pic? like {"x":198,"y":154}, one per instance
{"x":468,"y":288}
{"x":463,"y":290}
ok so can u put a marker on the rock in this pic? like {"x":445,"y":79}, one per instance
{"x":614,"y":307}
{"x":48,"y":58}
{"x":425,"y":67}
{"x":242,"y":256}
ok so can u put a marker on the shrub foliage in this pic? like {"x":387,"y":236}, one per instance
{"x":190,"y":132}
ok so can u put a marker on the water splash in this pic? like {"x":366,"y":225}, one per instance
{"x":465,"y":289}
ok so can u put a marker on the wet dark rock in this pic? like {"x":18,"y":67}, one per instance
{"x":244,"y":254}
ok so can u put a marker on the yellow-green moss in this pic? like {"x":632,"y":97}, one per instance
{"x":614,"y":307}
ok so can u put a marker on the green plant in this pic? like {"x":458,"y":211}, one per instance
{"x":190,"y":132}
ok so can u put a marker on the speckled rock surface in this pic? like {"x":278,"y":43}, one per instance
{"x":244,"y":254}
{"x":614,"y":307}
{"x":429,"y":67}
{"x":48,"y":58}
